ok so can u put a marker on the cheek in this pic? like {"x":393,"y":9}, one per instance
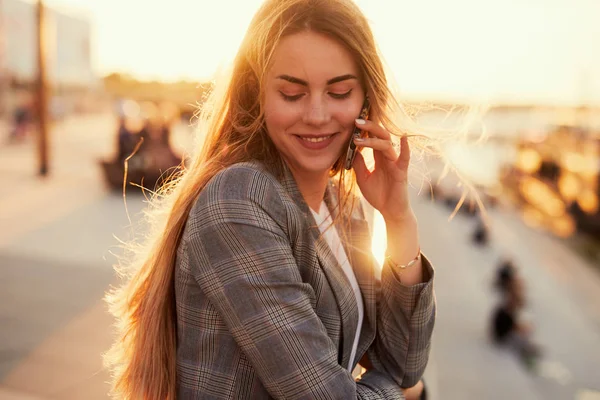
{"x":280,"y":116}
{"x":347,"y":113}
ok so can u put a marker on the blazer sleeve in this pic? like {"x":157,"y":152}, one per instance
{"x":243,"y":261}
{"x":405,"y":321}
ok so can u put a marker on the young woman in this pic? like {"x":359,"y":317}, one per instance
{"x":259,"y":282}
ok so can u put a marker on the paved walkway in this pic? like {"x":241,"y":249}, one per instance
{"x":56,"y":264}
{"x":564,"y":305}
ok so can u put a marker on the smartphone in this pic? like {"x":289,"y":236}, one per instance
{"x":356,"y":133}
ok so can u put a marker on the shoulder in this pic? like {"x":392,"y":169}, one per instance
{"x":242,"y":181}
{"x":240,"y":192}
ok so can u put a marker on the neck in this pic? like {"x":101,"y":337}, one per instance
{"x":312,"y":186}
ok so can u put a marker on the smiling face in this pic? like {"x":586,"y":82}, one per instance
{"x":312,"y":97}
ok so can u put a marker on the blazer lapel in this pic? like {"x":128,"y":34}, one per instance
{"x":342,"y":290}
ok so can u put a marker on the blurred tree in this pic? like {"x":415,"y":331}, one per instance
{"x":187,"y":95}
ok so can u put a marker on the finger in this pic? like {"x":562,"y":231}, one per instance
{"x":404,"y":158}
{"x":373,"y":128}
{"x":384,"y":146}
{"x":360,"y":168}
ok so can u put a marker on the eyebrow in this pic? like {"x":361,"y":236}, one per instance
{"x":299,"y":81}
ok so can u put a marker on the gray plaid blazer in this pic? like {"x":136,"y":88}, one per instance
{"x":265,"y":311}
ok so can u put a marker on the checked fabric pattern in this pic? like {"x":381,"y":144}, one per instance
{"x":264,"y":311}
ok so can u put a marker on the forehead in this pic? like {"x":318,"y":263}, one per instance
{"x":313,"y":57}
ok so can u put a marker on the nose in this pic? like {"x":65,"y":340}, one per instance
{"x":316,"y":113}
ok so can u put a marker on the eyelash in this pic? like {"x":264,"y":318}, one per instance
{"x":291,"y":98}
{"x":341,"y":96}
{"x":337,"y":96}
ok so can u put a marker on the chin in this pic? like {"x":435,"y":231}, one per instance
{"x":320,"y":166}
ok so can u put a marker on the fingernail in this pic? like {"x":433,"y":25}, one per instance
{"x":361,"y":121}
{"x":359,"y":140}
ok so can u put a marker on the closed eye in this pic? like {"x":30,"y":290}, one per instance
{"x":291,"y":97}
{"x":340,"y":96}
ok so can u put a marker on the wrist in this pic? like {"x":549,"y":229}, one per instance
{"x":403,"y":240}
{"x":404,"y":223}
{"x":389,"y":259}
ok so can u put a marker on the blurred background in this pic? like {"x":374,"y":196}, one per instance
{"x":81,"y":81}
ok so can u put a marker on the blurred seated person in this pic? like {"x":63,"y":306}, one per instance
{"x":156,"y":148}
{"x":508,"y":328}
{"x":127,"y":141}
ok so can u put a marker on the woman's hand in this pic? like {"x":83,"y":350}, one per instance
{"x":386,"y":187}
{"x":415,"y":392}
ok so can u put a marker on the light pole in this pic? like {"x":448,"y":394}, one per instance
{"x":42,"y":92}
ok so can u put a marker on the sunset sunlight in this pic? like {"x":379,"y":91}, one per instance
{"x":466,"y":50}
{"x":189,"y":217}
{"x":379,"y":239}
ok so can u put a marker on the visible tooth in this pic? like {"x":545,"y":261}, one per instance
{"x":316,"y":140}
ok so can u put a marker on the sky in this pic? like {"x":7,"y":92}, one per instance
{"x":516,"y":51}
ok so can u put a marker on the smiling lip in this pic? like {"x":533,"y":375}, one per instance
{"x":315,"y":142}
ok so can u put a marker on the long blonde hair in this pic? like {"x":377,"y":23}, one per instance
{"x":143,"y":358}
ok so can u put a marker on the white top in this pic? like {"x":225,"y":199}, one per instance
{"x":323,"y":219}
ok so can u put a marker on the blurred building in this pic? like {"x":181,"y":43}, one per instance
{"x":69,"y":39}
